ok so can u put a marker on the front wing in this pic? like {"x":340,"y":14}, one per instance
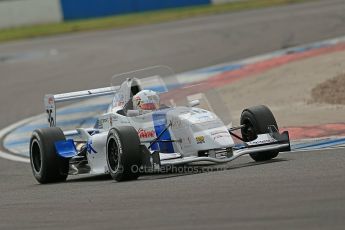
{"x":263,"y":143}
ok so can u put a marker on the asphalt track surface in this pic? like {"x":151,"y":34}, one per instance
{"x":303,"y":190}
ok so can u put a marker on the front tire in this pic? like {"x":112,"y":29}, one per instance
{"x":257,"y":120}
{"x":47,"y":166}
{"x":124,"y":157}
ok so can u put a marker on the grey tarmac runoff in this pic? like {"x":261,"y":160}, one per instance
{"x":300,"y":190}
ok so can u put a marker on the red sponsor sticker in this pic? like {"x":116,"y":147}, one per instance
{"x":148,"y":106}
{"x":146,"y":133}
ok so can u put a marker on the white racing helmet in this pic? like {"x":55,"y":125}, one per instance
{"x":146,"y":101}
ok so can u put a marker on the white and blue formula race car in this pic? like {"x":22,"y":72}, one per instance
{"x":191,"y":126}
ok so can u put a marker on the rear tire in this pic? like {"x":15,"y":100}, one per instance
{"x":257,"y":120}
{"x":124,"y":156}
{"x":47,"y":166}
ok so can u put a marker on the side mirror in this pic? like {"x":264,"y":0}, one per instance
{"x":132,"y":113}
{"x":193,"y":103}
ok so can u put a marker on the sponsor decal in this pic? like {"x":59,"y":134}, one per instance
{"x":50,"y":117}
{"x":89,"y":147}
{"x":146,"y":133}
{"x":118,"y":100}
{"x":262,"y":139}
{"x":219,"y":136}
{"x":50,"y":109}
{"x":217,"y":132}
{"x":148,"y":106}
{"x":261,"y":142}
{"x":200,"y":139}
{"x":104,"y":122}
{"x":176,"y":123}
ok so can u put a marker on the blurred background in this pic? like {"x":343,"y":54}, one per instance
{"x":28,"y":12}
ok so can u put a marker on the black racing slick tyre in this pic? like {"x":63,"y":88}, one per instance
{"x":257,"y":120}
{"x":123,"y":153}
{"x":47,"y":166}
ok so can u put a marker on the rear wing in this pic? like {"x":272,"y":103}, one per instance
{"x":51,"y":100}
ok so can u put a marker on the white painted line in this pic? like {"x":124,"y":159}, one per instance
{"x":10,"y":128}
{"x":12,"y":157}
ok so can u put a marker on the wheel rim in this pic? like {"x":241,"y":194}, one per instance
{"x":36,"y":158}
{"x":113,"y":155}
{"x":248,"y":131}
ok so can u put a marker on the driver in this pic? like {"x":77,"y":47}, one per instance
{"x":146,"y":101}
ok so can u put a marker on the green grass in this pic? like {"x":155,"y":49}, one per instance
{"x":135,"y":19}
